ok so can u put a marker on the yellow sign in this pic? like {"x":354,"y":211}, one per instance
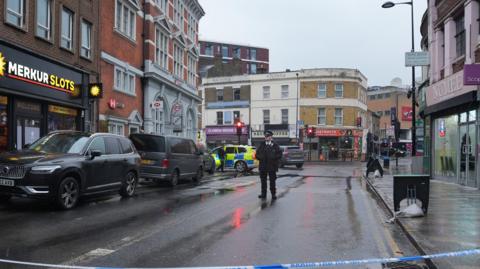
{"x":63,"y":110}
{"x":34,"y":76}
{"x":95,"y":90}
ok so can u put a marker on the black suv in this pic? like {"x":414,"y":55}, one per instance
{"x":65,"y":165}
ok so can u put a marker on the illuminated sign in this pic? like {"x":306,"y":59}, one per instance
{"x":31,"y":75}
{"x":95,"y":90}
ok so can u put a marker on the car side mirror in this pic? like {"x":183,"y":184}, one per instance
{"x":95,"y":153}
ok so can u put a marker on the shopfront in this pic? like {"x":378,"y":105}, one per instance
{"x":454,"y":131}
{"x":37,"y":96}
{"x":334,"y":144}
{"x":224,"y":135}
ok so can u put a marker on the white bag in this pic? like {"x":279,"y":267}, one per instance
{"x":412,"y":211}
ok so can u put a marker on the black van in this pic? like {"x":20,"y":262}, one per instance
{"x":168,"y":158}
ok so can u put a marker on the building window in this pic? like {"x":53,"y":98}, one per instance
{"x":86,"y":50}
{"x":116,"y":128}
{"x":284,"y":91}
{"x":236,"y":116}
{"x":209,"y":50}
{"x":224,"y":51}
{"x":236,"y":53}
{"x":386,"y":113}
{"x":67,"y":29}
{"x":460,"y":36}
{"x":163,"y":4}
{"x":322,"y":90}
{"x":372,"y":97}
{"x":161,"y":48}
{"x":266,"y":92}
{"x":16,"y":11}
{"x":228,"y":117}
{"x":44,"y":18}
{"x":219,"y":118}
{"x":192,"y":70}
{"x":178,"y":14}
{"x":338,"y":116}
{"x":380,"y":113}
{"x":253,"y":54}
{"x":124,"y":81}
{"x":266,"y":116}
{"x":125,"y":19}
{"x":253,"y":68}
{"x":284,"y":116}
{"x":322,"y":117}
{"x":338,"y":90}
{"x":219,"y":95}
{"x":177,"y":61}
{"x":387,"y":95}
{"x":236,"y":94}
{"x":191,"y":27}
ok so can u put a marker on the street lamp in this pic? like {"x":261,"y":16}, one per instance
{"x":297,"y":119}
{"x":412,"y":91}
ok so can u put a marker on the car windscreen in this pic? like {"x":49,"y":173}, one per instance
{"x":148,"y":143}
{"x":61,"y":143}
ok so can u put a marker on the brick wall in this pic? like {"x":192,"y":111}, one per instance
{"x":309,"y":89}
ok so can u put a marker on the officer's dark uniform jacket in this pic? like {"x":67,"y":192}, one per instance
{"x":269,"y":157}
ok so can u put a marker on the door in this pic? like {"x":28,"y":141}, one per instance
{"x":468,"y":145}
{"x":28,"y":131}
{"x":96,"y":170}
{"x":464,"y":153}
{"x":115,"y":164}
{"x":472,"y":175}
{"x":230,"y":153}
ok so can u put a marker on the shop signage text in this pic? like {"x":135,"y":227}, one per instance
{"x":276,"y":133}
{"x":157,"y":105}
{"x":227,"y":130}
{"x":337,"y":132}
{"x":471,"y":74}
{"x":447,"y":88}
{"x":31,"y":75}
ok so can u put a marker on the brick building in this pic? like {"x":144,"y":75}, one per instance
{"x":170,"y":101}
{"x":390,"y":102}
{"x":48,"y":57}
{"x":218,"y":59}
{"x":121,"y":64}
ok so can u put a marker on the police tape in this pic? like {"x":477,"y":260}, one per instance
{"x":276,"y":266}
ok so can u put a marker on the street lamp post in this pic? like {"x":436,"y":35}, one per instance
{"x":414,"y":136}
{"x":297,"y":119}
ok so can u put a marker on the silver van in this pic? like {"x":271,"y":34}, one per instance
{"x":168,"y":158}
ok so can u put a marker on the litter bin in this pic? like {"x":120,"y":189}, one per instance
{"x":386,"y":162}
{"x":411,"y":187}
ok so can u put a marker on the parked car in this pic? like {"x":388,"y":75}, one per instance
{"x":65,"y":165}
{"x":168,"y":158}
{"x":208,"y":161}
{"x":238,"y":157}
{"x":292,"y":155}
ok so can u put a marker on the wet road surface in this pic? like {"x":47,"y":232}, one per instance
{"x":217,"y":223}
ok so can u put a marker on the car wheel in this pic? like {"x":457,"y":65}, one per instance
{"x":241,"y":167}
{"x":299,"y":165}
{"x":5,"y":198}
{"x":68,"y":193}
{"x":199,"y":175}
{"x":174,"y":178}
{"x":129,"y":185}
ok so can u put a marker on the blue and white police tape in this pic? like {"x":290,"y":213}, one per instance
{"x":277,"y":266}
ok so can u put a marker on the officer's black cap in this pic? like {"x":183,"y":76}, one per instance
{"x":268,"y":133}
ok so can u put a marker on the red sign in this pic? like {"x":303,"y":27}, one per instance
{"x":407,"y":113}
{"x":112,"y":103}
{"x":337,"y":133}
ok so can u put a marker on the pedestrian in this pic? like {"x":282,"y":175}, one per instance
{"x":269,"y":155}
{"x":221,"y":156}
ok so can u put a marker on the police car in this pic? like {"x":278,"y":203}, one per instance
{"x":238,"y":157}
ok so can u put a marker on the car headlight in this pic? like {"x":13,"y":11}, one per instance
{"x":47,"y":169}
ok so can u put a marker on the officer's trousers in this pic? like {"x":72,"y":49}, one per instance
{"x":272,"y":176}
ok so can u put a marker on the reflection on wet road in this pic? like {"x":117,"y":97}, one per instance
{"x":213,"y":224}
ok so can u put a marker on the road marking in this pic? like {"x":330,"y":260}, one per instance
{"x":96,"y":253}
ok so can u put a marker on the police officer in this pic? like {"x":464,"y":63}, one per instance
{"x":269,"y":155}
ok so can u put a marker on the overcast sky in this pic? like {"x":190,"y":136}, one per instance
{"x":320,"y":33}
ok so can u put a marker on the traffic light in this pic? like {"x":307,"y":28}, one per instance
{"x":95,"y":91}
{"x":311,"y":132}
{"x":239,"y":127}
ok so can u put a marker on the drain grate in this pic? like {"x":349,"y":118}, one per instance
{"x":403,"y":265}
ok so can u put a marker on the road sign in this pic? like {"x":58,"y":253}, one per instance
{"x":418,"y":58}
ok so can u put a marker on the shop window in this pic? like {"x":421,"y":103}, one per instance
{"x":3,"y":123}
{"x":61,"y":118}
{"x":446,"y":146}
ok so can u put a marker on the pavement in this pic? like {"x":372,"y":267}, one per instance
{"x":452,"y":222}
